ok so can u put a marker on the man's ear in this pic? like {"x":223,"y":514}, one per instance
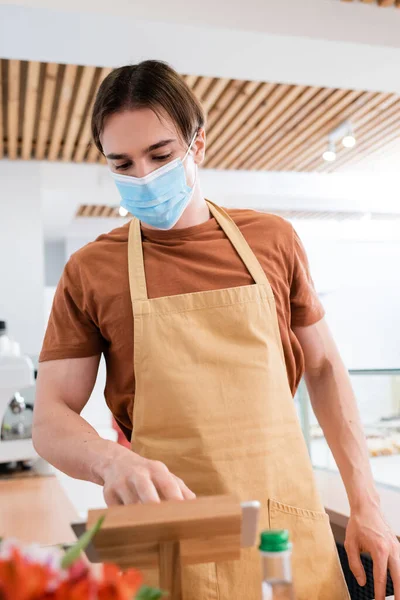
{"x":199,"y":147}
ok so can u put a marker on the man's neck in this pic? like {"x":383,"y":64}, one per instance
{"x":195,"y":214}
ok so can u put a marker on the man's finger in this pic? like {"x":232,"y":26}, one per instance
{"x":128,"y":495}
{"x":356,"y":566}
{"x":111,"y":497}
{"x":380,"y":560}
{"x":394,"y":568}
{"x":186,"y":492}
{"x":168,"y":486}
{"x":146,"y":489}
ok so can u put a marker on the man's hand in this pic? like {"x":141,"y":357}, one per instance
{"x":368,"y":531}
{"x":130,"y":479}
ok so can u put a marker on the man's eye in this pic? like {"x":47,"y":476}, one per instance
{"x":164,"y":157}
{"x":123,"y":167}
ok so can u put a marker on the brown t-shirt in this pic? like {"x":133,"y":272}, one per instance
{"x":92,"y":311}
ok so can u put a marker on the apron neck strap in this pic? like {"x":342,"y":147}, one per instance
{"x":137,"y":277}
{"x":239,"y":242}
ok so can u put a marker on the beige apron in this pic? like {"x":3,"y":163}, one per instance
{"x":213,"y":403}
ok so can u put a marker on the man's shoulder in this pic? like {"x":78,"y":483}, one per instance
{"x":261,"y":223}
{"x":114,"y":241}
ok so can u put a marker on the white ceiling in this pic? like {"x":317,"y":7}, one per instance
{"x":311,"y":42}
{"x":317,"y":19}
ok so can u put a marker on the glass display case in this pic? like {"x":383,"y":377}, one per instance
{"x":378,"y":397}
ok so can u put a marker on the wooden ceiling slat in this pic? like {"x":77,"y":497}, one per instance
{"x":85,"y":138}
{"x":364,"y":130}
{"x":299,"y":127}
{"x":281,"y":126}
{"x":387,"y":152}
{"x":97,"y":211}
{"x":243,"y":105}
{"x":109,"y":212}
{"x":87,"y":210}
{"x":268,"y":125}
{"x":13,"y":106}
{"x":367,"y":125}
{"x":370,"y":140}
{"x":47,"y":107}
{"x":386,"y":2}
{"x":214,"y":93}
{"x":369,"y":160}
{"x":243,"y":138}
{"x":202,"y":86}
{"x":319,"y":123}
{"x":78,"y":112}
{"x":63,"y":109}
{"x":233,"y":88}
{"x":370,"y":109}
{"x":276,"y":139}
{"x":79,"y":212}
{"x":251,"y":140}
{"x":32,"y":89}
{"x":369,"y":148}
{"x":191,"y":80}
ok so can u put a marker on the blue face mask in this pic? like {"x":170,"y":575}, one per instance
{"x":160,"y":198}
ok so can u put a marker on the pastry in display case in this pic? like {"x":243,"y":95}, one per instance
{"x":378,"y":397}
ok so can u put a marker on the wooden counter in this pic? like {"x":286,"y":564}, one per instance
{"x":36,"y":510}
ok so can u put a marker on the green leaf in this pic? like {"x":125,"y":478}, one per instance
{"x":74,"y":553}
{"x":147,"y":593}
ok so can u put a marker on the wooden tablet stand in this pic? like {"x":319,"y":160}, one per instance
{"x":170,"y":535}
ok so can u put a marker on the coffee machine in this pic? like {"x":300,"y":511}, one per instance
{"x":16,"y":374}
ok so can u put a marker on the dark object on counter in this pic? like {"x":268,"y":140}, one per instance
{"x":16,"y":469}
{"x":357,"y":592}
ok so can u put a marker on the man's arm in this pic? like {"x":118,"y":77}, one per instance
{"x":67,"y":441}
{"x":335,"y":407}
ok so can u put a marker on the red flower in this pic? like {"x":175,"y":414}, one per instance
{"x":119,"y":586}
{"x":22,"y":580}
{"x":113,"y":585}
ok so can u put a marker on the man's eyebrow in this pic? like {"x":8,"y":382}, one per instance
{"x":124,"y":156}
{"x":114,"y":156}
{"x":159,"y":145}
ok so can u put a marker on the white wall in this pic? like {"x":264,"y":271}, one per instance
{"x":21,"y":255}
{"x":362,"y":297}
{"x":54,"y":261}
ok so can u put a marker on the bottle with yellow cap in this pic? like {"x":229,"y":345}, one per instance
{"x":276,"y":554}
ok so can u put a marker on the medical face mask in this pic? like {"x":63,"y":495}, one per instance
{"x":160,"y":198}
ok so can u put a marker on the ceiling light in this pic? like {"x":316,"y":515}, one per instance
{"x":122,"y":211}
{"x":349,"y":141}
{"x":330,"y":154}
{"x":344,"y":133}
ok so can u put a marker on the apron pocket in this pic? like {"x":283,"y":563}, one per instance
{"x":316,"y":568}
